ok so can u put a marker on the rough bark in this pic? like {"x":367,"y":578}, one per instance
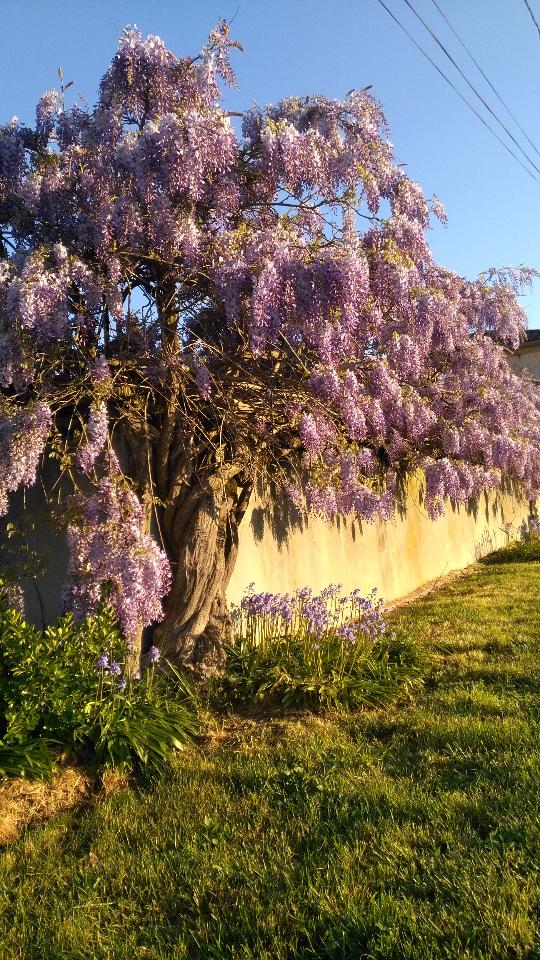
{"x":202,"y":508}
{"x":201,"y":532}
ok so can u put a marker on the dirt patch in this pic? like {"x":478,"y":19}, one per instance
{"x":27,"y":801}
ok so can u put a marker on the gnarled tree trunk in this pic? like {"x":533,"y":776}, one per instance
{"x":203,"y":506}
{"x":201,"y":534}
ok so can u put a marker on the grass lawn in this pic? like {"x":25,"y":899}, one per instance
{"x":408,"y":832}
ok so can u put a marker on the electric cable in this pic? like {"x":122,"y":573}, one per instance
{"x":486,"y":78}
{"x":533,"y":18}
{"x":456,"y":90}
{"x":469,"y":84}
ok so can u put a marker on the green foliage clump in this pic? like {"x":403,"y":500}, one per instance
{"x":31,"y":759}
{"x":70,"y":688}
{"x":319,"y":651}
{"x":295,"y":676}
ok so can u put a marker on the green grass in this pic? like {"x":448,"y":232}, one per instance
{"x":407,"y":832}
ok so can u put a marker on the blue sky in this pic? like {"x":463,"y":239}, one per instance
{"x":329,"y":46}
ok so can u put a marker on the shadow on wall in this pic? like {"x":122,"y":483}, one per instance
{"x":282,"y":550}
{"x":519,"y":534}
{"x":276,"y":512}
{"x":276,"y":515}
{"x":486,"y":544}
{"x":33,"y":548}
{"x":34,"y":551}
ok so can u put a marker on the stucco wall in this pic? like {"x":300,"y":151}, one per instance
{"x":526,"y":358}
{"x":280,"y":551}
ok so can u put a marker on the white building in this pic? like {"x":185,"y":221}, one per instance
{"x":527,"y":356}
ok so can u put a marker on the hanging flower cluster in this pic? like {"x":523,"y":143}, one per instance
{"x":98,"y":434}
{"x":113,"y":559}
{"x":23,"y":435}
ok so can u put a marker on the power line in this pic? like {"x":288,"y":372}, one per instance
{"x":469,"y":84}
{"x":456,"y":90}
{"x":533,"y":18}
{"x":486,"y":78}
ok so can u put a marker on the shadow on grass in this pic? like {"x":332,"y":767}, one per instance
{"x":524,"y":552}
{"x":501,"y":679}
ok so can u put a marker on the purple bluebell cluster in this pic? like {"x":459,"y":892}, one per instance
{"x":153,"y":654}
{"x":317,"y":615}
{"x":105,"y":664}
{"x":111,"y":668}
{"x":272,"y":605}
{"x":348,"y":632}
{"x":369,"y":614}
{"x":265,"y":617}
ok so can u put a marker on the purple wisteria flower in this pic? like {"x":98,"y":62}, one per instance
{"x":100,"y":370}
{"x":23,"y":434}
{"x":109,"y":546}
{"x":98,"y":426}
{"x":202,"y":379}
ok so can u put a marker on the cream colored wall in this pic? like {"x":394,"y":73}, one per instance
{"x":279,"y":551}
{"x":397,"y":556}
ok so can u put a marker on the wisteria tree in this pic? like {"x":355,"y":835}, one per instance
{"x":186,"y":308}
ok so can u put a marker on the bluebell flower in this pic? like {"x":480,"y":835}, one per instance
{"x":115,"y":669}
{"x":331,"y":590}
{"x":153,"y":654}
{"x":102,"y":662}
